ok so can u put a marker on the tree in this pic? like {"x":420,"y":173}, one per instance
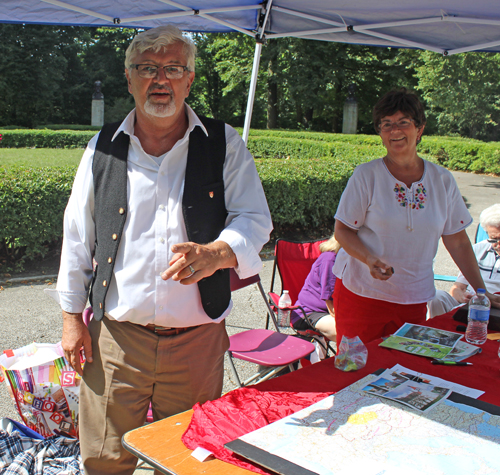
{"x":462,"y":92}
{"x":49,"y":72}
{"x":33,"y":68}
{"x":223,"y":70}
{"x":316,"y":76}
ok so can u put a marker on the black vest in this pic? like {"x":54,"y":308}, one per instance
{"x":203,"y":207}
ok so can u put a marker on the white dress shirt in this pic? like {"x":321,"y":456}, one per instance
{"x":154,"y":223}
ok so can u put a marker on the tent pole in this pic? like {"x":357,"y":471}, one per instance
{"x":251,"y":91}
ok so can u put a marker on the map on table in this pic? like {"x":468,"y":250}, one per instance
{"x":350,"y":433}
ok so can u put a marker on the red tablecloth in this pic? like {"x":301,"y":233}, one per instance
{"x":323,"y":376}
{"x":244,"y":410}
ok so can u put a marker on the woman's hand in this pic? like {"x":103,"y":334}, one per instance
{"x":379,"y":270}
{"x":349,"y":240}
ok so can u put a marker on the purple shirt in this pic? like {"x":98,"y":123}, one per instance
{"x":318,"y":286}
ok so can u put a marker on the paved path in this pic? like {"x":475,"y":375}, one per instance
{"x":27,"y":314}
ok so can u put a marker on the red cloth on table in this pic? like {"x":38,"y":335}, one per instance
{"x":370,"y":318}
{"x":323,"y":376}
{"x":237,"y":413}
{"x":244,"y":410}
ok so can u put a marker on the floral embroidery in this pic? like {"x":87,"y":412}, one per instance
{"x":420,"y":194}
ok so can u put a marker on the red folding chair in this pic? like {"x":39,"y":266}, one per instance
{"x":292,"y":262}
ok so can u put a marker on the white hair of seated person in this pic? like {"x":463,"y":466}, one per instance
{"x":490,"y":217}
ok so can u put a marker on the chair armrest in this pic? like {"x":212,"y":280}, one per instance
{"x":274,"y":299}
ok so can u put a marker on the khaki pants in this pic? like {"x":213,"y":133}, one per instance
{"x":133,"y":367}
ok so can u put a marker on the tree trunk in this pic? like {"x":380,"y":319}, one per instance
{"x":308,"y":116}
{"x":272,"y":105}
{"x":272,"y":90}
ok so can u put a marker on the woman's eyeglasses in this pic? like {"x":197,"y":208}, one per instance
{"x":400,"y":124}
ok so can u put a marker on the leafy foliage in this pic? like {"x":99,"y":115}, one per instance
{"x":303,"y":175}
{"x":304,"y":192}
{"x":49,"y":72}
{"x":462,"y":92}
{"x":32,"y":203}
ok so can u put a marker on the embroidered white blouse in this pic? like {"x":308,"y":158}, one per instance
{"x":400,"y":225}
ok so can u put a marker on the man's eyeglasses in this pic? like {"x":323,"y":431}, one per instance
{"x":400,"y":124}
{"x":493,"y":241}
{"x":149,"y":71}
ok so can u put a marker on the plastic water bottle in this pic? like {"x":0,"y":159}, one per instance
{"x":479,"y":315}
{"x":284,"y":315}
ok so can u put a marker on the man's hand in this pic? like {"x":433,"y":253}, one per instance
{"x":459,"y":292}
{"x":494,"y":299}
{"x":193,"y":262}
{"x":378,"y":269}
{"x":75,"y":336}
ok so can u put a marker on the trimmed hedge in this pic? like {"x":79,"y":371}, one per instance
{"x":303,"y":175}
{"x":94,"y":128}
{"x":304,"y":193}
{"x":453,"y":153}
{"x":32,"y":203}
{"x":277,"y":147}
{"x":35,"y":138}
{"x":471,"y":155}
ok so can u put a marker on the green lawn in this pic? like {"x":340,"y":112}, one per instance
{"x":40,"y":157}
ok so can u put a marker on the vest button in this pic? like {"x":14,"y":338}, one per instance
{"x":110,"y":260}
{"x":104,"y":283}
{"x":100,"y":305}
{"x":115,"y":237}
{"x":121,"y":211}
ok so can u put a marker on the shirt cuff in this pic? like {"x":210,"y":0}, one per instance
{"x":70,"y":302}
{"x":249,"y":262}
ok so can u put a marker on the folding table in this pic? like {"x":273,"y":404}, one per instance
{"x":160,"y":445}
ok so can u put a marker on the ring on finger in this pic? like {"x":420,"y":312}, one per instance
{"x":192,"y":270}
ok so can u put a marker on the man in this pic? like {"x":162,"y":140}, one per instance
{"x":488,"y":259}
{"x":159,"y":208}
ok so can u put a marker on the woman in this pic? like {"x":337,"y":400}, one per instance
{"x":316,"y":294}
{"x":389,"y":221}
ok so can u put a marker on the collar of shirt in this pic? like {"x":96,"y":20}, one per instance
{"x":486,"y":251}
{"x":127,"y":126}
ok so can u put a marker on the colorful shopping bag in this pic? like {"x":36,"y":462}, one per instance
{"x":44,"y":388}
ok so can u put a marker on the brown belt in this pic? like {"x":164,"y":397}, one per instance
{"x":162,"y":331}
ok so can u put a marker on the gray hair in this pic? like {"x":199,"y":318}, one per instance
{"x":158,"y":38}
{"x":331,"y":245}
{"x":490,"y":216}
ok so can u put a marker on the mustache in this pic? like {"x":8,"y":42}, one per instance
{"x":160,"y":87}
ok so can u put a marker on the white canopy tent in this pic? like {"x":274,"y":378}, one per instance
{"x":443,"y":26}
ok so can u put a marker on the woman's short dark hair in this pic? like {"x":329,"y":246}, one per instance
{"x":400,"y":100}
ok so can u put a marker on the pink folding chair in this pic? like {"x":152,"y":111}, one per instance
{"x":271,"y":350}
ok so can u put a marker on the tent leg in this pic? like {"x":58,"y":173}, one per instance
{"x":251,"y":91}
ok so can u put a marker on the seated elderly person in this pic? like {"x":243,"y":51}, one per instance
{"x":488,"y":258}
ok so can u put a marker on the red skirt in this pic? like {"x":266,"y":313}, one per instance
{"x":370,"y":318}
